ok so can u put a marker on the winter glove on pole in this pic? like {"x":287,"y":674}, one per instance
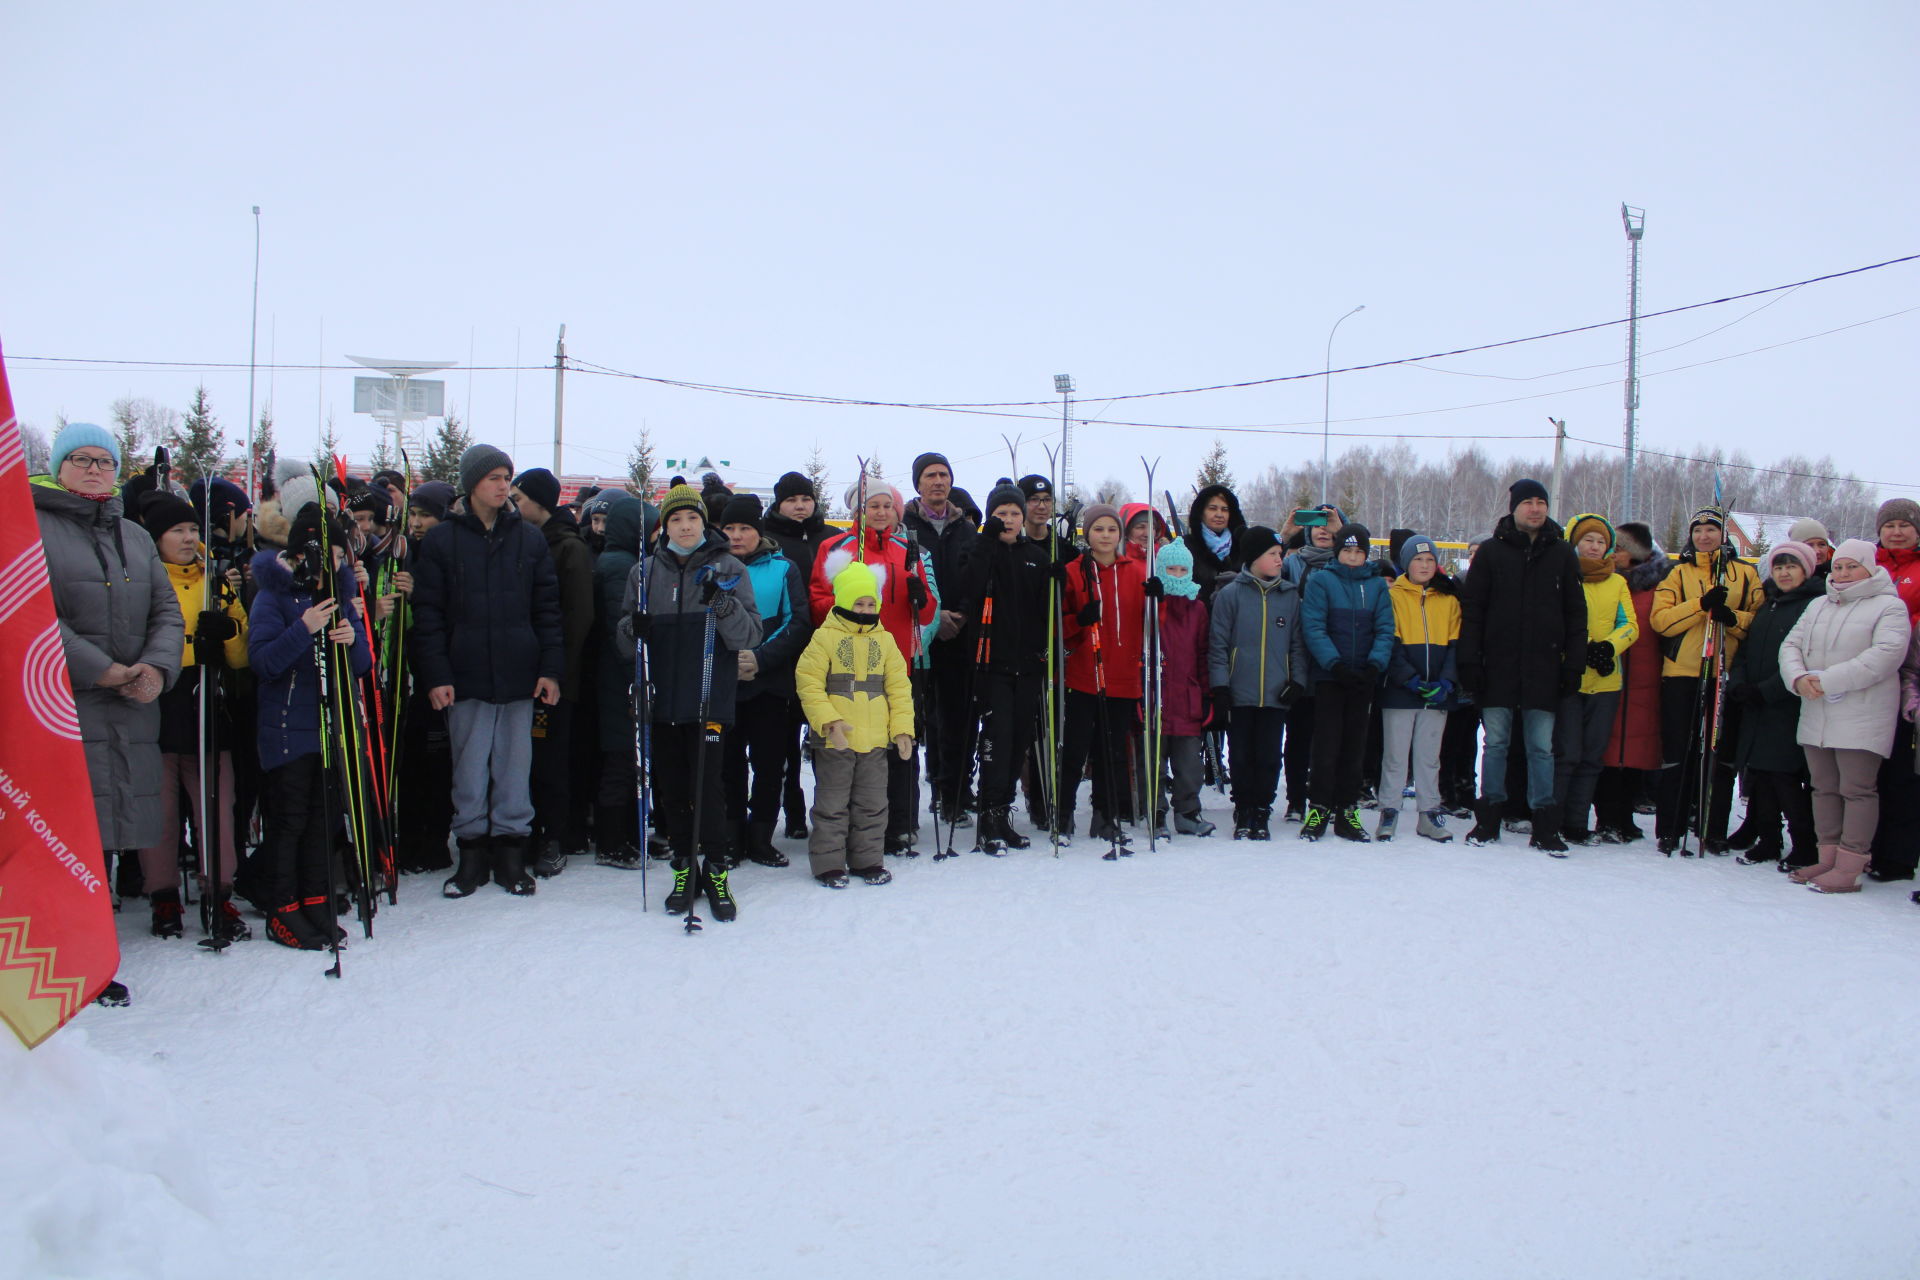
{"x":1155,"y":589}
{"x":1724,"y":615}
{"x":1713,"y":598}
{"x":916,"y":595}
{"x":1089,"y":614}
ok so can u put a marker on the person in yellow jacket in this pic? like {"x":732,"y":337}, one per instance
{"x":1709,"y":593}
{"x":1585,"y":719}
{"x":857,"y":696}
{"x":176,"y":536}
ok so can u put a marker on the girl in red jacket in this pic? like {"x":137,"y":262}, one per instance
{"x":1103,"y":603}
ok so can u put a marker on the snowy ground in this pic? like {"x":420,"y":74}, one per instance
{"x":1220,"y":1060}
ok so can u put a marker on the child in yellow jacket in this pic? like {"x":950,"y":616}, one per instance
{"x":858,"y":699}
{"x":1585,"y":720}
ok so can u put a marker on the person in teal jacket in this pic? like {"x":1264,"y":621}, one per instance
{"x":1347,"y":620}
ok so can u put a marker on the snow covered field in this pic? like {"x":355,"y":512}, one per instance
{"x":1220,"y":1060}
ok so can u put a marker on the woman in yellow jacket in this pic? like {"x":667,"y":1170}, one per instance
{"x":176,"y":535}
{"x":1708,"y":592}
{"x":1585,"y":719}
{"x":858,"y":699}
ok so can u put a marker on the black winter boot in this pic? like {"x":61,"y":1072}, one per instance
{"x":510,"y":866}
{"x":1241,"y":825}
{"x":476,"y":854}
{"x":759,"y":845}
{"x":166,"y":913}
{"x":990,"y":837}
{"x":1546,"y":831}
{"x":1486,"y":823}
{"x":1258,"y":818}
{"x":549,"y":858}
{"x":719,"y":897}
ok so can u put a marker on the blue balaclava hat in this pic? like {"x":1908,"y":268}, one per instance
{"x":1175,"y":555}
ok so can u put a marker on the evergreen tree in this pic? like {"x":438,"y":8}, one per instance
{"x":382,"y":459}
{"x":198,"y":450}
{"x":1213,"y":468}
{"x":816,"y":473}
{"x":329,"y":446}
{"x":642,"y":479}
{"x":265,"y":450}
{"x":444,"y":449}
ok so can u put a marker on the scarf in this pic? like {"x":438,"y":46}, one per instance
{"x":1219,"y":543}
{"x":1596,"y":570}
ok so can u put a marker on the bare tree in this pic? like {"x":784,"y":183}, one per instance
{"x":38,"y":448}
{"x":139,"y":424}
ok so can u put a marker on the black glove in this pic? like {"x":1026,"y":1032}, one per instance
{"x":1090,"y":614}
{"x":1724,"y":616}
{"x":1570,"y":682}
{"x":992,"y":527}
{"x":1747,"y":695}
{"x":1156,"y":589}
{"x":916,"y":595}
{"x":1600,"y":656}
{"x":1713,"y":598}
{"x":215,"y":627}
{"x":724,"y":603}
{"x":1338,"y":673}
{"x":642,"y":624}
{"x":1222,"y":698}
{"x":1473,"y":678}
{"x":1291,"y":692}
{"x":1359,"y":678}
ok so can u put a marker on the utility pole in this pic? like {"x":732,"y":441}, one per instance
{"x":1635,"y":221}
{"x":1559,"y":457}
{"x":253,"y":348}
{"x":1063,"y":387}
{"x":559,"y":397}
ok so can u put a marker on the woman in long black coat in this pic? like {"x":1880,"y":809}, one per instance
{"x":1768,"y":749}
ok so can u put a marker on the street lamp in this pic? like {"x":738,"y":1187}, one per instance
{"x":1326,"y":400}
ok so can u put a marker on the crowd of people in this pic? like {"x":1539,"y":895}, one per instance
{"x":378,"y":677}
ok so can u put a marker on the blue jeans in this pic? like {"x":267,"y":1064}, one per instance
{"x":1537,"y":727}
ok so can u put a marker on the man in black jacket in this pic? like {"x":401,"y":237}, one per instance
{"x":799,"y":526}
{"x":943,"y":521}
{"x":489,"y":642}
{"x":1523,"y":644}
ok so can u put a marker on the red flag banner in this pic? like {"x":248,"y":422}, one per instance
{"x":57,"y":944}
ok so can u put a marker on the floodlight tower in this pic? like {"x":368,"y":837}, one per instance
{"x":1063,"y":387}
{"x":1635,"y":221}
{"x":393,"y":402}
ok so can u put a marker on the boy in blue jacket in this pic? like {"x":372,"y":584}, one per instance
{"x":1348,"y":624}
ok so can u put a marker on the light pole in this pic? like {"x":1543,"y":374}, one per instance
{"x":1326,"y":400}
{"x":253,"y":348}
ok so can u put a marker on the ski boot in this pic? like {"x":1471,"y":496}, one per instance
{"x":991,"y":836}
{"x":166,"y":913}
{"x":680,"y":897}
{"x":289,"y":926}
{"x":549,"y":858}
{"x":1486,"y":824}
{"x":1546,"y":831}
{"x":759,"y":845}
{"x":1192,"y":824}
{"x":900,"y":844}
{"x":1389,"y":821}
{"x":832,"y":879}
{"x":509,"y":865}
{"x":874,"y":875}
{"x":1433,"y":825}
{"x":475,"y":866}
{"x":224,"y":924}
{"x":1346,"y":825}
{"x":322,"y":913}
{"x":719,"y":897}
{"x":1314,"y":824}
{"x":1258,"y":816}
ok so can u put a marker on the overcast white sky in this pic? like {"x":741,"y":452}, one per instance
{"x":953,"y":203}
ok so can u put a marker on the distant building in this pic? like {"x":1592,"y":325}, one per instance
{"x":1750,"y":532}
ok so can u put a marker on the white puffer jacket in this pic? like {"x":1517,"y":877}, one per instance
{"x":1854,"y":638}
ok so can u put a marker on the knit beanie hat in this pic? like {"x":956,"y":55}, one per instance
{"x":1415,"y":544}
{"x":1034,"y":486}
{"x":1175,"y":555}
{"x":1806,"y":529}
{"x":873,"y":486}
{"x":1520,"y":490}
{"x":539,"y":484}
{"x":1353,"y":534}
{"x":1096,"y":511}
{"x":477,"y":462}
{"x":1709,"y":515}
{"x":435,"y":497}
{"x":1898,"y":509}
{"x":228,"y":498}
{"x":1586,"y":523}
{"x":1858,"y":550}
{"x":1396,"y":539}
{"x":160,"y":511}
{"x":854,"y":581}
{"x":1799,"y":551}
{"x":741,"y":508}
{"x":388,"y":476}
{"x":76,"y":435}
{"x":375,"y":500}
{"x":1256,"y":541}
{"x":1005,"y":493}
{"x":307,"y":526}
{"x":300,"y":490}
{"x":792,"y":485}
{"x":682,"y":497}
{"x":926,"y":460}
{"x":586,"y":493}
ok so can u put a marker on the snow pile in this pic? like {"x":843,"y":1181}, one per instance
{"x":1219,"y":1060}
{"x":99,"y":1176}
